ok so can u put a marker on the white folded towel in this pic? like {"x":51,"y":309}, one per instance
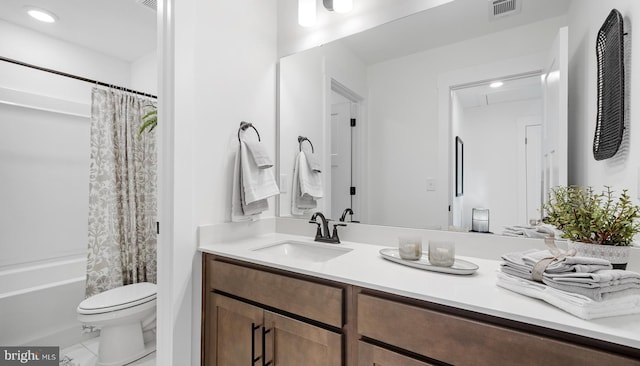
{"x":259,"y":153}
{"x":313,"y":162}
{"x":302,"y":202}
{"x":257,"y":184}
{"x":521,"y":264}
{"x":575,"y":304}
{"x":599,"y":285}
{"x":541,"y":231}
{"x":249,"y":212}
{"x":310,"y":181}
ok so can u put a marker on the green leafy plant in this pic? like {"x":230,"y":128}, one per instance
{"x":585,"y":216}
{"x":149,"y":120}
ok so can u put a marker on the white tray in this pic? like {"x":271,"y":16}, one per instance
{"x":460,"y":267}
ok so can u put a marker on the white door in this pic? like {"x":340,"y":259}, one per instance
{"x":555,"y":135}
{"x":533,"y":163}
{"x":340,"y":158}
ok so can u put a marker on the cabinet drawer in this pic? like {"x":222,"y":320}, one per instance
{"x":308,"y":299}
{"x":461,"y":341}
{"x":370,"y":355}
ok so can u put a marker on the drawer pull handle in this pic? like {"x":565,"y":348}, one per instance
{"x":254,"y":359}
{"x":265,"y":331}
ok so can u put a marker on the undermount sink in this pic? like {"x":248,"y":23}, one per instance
{"x":309,"y":252}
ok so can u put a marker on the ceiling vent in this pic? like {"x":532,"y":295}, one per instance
{"x":502,"y":8}
{"x":151,"y":4}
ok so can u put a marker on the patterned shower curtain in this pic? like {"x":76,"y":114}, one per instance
{"x":122,"y":193}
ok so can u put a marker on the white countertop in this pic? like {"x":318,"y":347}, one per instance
{"x":363,"y":266}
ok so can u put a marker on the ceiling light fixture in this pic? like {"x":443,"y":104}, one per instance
{"x":496,"y":84}
{"x":42,"y":15}
{"x":342,"y":6}
{"x":307,"y":13}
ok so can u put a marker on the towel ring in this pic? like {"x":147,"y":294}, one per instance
{"x":301,"y":139}
{"x":244,"y":125}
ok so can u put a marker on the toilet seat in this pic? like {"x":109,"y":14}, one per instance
{"x":118,"y":298}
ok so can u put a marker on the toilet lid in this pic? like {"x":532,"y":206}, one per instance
{"x":119,"y":298}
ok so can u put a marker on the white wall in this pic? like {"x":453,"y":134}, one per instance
{"x":491,"y":138}
{"x":222,"y":71}
{"x":621,"y":171}
{"x":403,"y":113}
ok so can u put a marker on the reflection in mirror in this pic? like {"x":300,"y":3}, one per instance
{"x":400,"y":82}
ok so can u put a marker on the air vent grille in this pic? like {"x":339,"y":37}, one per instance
{"x":151,"y":4}
{"x":503,"y":8}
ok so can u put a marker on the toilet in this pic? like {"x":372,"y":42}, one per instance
{"x":126,"y":317}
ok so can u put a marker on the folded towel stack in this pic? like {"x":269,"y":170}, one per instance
{"x":307,"y":184}
{"x":585,"y":287}
{"x":253,"y":182}
{"x":541,"y":231}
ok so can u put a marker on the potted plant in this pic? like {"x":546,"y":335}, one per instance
{"x":596,"y":224}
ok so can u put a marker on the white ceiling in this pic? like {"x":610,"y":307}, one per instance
{"x":449,"y":23}
{"x":518,"y":89}
{"x":123,"y":29}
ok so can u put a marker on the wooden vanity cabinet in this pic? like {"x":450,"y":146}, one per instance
{"x":258,"y":317}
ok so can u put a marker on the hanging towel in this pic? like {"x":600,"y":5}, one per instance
{"x":301,"y":202}
{"x":259,"y":154}
{"x":240,"y":212}
{"x":310,"y":181}
{"x":313,"y":162}
{"x":257,"y":184}
{"x":575,"y":304}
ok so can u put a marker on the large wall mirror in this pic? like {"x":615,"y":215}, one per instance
{"x":383,"y":108}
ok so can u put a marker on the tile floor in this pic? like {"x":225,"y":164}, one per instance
{"x":86,"y":354}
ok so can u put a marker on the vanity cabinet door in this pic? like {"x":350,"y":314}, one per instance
{"x":233,"y":329}
{"x":291,"y":342}
{"x":370,"y":355}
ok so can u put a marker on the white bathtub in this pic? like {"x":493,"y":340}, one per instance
{"x":38,"y":302}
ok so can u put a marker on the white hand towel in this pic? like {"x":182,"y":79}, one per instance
{"x":237,"y":211}
{"x":257,"y":183}
{"x":259,"y":153}
{"x":313,"y":162}
{"x":310,"y":181}
{"x":301,"y":204}
{"x":521,"y":263}
{"x":575,"y":304}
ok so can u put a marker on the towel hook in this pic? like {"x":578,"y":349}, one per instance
{"x":301,"y":139}
{"x":244,"y":125}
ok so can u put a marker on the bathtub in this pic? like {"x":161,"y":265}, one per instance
{"x":38,"y":302}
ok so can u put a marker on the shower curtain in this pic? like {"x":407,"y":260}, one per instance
{"x":122,"y":193}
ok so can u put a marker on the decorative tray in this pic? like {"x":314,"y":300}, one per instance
{"x":460,"y":267}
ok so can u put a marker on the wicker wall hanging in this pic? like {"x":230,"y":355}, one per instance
{"x":611,"y":78}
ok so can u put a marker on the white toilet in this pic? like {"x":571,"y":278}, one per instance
{"x":122,"y":314}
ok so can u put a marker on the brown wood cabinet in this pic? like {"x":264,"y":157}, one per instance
{"x":256,"y":315}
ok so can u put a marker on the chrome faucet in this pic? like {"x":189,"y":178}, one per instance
{"x":322,"y":234}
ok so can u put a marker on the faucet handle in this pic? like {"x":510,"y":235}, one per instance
{"x":334,"y":235}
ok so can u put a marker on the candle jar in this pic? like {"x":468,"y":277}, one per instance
{"x":410,"y":248}
{"x":442,"y":253}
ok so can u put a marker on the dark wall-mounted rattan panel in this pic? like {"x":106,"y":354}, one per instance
{"x":611,"y":78}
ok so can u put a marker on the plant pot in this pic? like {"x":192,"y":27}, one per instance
{"x":618,"y":255}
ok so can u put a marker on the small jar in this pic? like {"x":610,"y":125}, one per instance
{"x":442,"y":253}
{"x":410,"y":248}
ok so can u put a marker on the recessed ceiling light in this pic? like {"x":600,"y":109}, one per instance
{"x":496,"y":84}
{"x":42,"y":15}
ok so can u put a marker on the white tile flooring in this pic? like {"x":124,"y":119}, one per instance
{"x":86,"y":354}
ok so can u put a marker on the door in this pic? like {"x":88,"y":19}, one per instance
{"x":340,"y":158}
{"x":294,"y":343}
{"x":555,"y":124}
{"x":533,"y":164}
{"x":234,"y":332}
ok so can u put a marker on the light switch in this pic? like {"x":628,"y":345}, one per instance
{"x":431,"y":184}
